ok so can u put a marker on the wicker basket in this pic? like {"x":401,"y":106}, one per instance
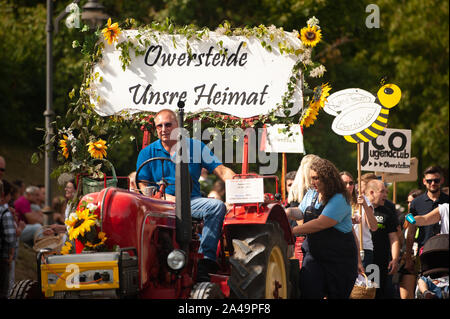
{"x":90,"y":185}
{"x":52,"y":242}
{"x":360,"y":292}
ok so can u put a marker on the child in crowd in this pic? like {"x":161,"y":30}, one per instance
{"x":433,"y":288}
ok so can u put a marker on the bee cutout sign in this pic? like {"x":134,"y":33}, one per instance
{"x":361,"y":116}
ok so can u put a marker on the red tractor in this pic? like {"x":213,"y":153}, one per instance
{"x":158,"y":250}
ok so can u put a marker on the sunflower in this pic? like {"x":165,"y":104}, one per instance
{"x":317,"y":102}
{"x":111,"y":32}
{"x":311,"y":35}
{"x":309,"y":117}
{"x":80,"y":224}
{"x":97,"y":149}
{"x":320,"y":94}
{"x":100,"y":240}
{"x":63,"y":145}
{"x":66,"y":248}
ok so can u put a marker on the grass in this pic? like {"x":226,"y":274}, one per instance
{"x":26,"y":263}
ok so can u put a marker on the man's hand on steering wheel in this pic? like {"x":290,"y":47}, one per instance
{"x":159,"y":186}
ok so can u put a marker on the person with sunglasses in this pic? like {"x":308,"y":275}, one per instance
{"x":433,"y":179}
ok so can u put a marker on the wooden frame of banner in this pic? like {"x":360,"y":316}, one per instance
{"x":283,"y":177}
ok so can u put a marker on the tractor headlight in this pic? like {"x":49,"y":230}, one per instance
{"x":176,"y":259}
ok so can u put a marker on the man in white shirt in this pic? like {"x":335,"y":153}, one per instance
{"x":439,"y":214}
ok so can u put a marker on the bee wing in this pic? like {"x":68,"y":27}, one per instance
{"x":341,"y":100}
{"x":356,"y":118}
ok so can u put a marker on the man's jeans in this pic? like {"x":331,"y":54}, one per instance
{"x":28,"y":233}
{"x":212,"y":211}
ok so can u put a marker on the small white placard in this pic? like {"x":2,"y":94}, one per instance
{"x":278,"y":141}
{"x":246,"y":190}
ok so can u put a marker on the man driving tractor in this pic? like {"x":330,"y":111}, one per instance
{"x":212,"y":211}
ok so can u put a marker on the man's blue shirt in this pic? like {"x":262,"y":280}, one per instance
{"x":200,"y":156}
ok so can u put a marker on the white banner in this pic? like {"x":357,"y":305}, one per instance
{"x":247,"y":81}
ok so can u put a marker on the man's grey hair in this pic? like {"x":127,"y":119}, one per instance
{"x":31,"y":189}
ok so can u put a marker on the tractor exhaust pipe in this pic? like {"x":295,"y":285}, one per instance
{"x":182,"y":188}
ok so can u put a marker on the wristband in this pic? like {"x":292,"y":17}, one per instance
{"x":410,"y":219}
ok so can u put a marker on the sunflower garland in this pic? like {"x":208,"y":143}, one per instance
{"x":98,"y":149}
{"x":111,"y":32}
{"x":82,"y":225}
{"x":317,"y":102}
{"x":311,"y":35}
{"x":97,"y":242}
{"x":80,"y":153}
{"x":63,"y":145}
{"x":66,"y":249}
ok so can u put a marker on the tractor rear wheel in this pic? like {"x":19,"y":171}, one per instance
{"x":26,"y":289}
{"x":259,"y":264}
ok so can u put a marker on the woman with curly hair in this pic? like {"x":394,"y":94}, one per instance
{"x":330,"y":253}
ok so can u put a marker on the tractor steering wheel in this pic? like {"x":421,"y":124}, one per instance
{"x":161,"y":185}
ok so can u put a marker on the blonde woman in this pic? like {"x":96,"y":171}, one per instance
{"x":301,"y":182}
{"x":296,"y":193}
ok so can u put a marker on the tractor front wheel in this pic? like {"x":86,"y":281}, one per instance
{"x":26,"y":289}
{"x":259,"y":264}
{"x":206,"y":290}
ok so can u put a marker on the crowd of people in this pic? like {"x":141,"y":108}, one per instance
{"x":25,"y":218}
{"x":383,"y":237}
{"x":343,"y":226}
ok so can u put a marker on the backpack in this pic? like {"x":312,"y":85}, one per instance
{"x":3,"y":210}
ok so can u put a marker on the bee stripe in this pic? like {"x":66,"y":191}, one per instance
{"x":350,"y":139}
{"x":384,"y":111}
{"x":369,"y":132}
{"x":384,"y":115}
{"x":381,"y":119}
{"x":362,"y":137}
{"x":377,"y":126}
{"x":373,"y":128}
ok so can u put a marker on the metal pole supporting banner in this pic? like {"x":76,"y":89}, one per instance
{"x":48,"y":114}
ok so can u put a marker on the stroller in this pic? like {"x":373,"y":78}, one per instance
{"x":434,"y":265}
